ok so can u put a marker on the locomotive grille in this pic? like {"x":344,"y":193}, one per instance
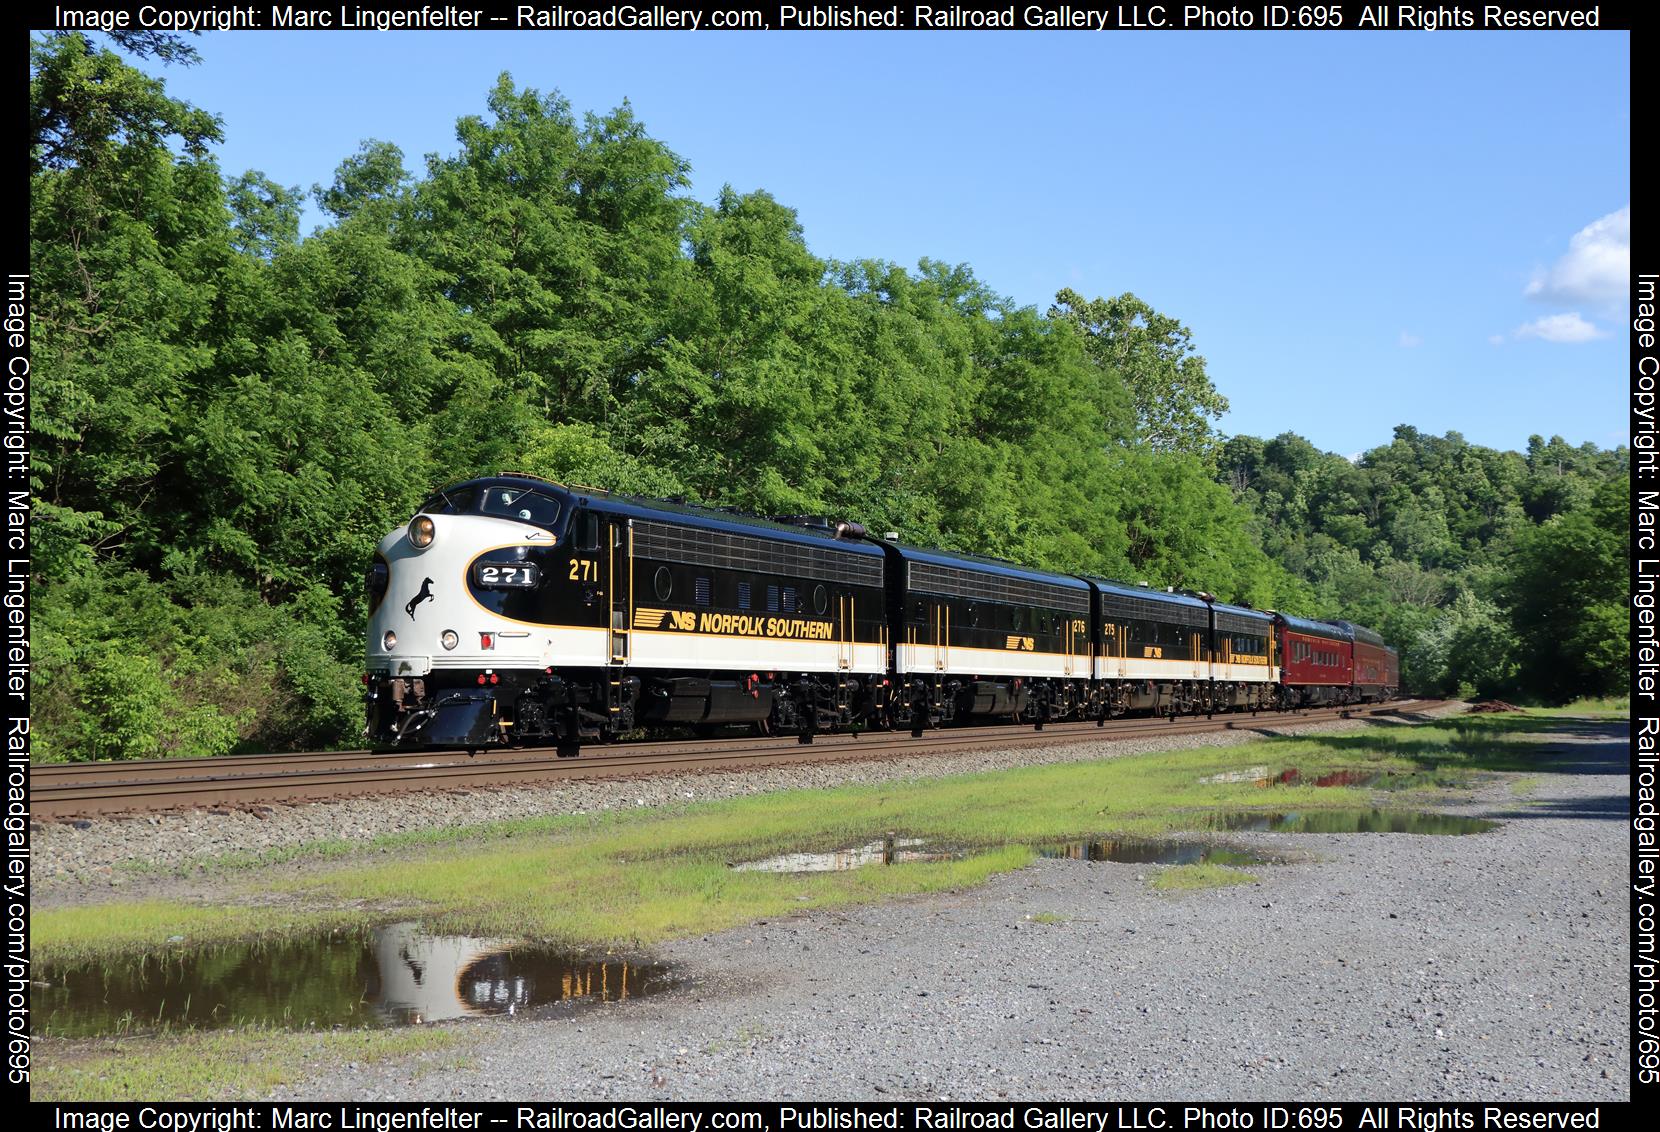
{"x":1117,"y":607}
{"x":1232,"y":623}
{"x":724,"y":550}
{"x":955,"y":582}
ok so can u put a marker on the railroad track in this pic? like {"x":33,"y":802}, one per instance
{"x":66,"y":790}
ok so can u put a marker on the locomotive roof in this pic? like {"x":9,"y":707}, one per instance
{"x":1240,"y":610}
{"x":687,"y":514}
{"x":1124,"y":589}
{"x":985,"y":565}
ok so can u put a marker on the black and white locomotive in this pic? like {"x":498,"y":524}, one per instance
{"x":513,"y":610}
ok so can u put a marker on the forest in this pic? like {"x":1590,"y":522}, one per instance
{"x":227,"y":414}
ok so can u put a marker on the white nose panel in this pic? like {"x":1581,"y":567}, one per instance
{"x":427,"y":593}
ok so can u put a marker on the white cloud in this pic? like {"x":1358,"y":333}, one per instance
{"x":1596,"y":269}
{"x":1560,"y":328}
{"x":1410,"y":340}
{"x":1495,"y":339}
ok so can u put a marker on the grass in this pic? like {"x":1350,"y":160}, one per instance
{"x":86,"y":932}
{"x":210,"y":1065}
{"x":1178,"y":878}
{"x":1049,"y":918}
{"x":637,"y":877}
{"x":1600,"y":707}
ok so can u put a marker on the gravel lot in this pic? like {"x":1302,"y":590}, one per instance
{"x":1387,"y":966}
{"x":124,"y":858}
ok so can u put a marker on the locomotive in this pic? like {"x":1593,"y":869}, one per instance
{"x":513,"y":610}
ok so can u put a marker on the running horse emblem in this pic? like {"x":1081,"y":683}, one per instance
{"x":424,"y":595}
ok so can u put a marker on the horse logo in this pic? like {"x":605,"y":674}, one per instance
{"x":424,"y":595}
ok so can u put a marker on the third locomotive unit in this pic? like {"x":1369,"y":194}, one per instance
{"x":515,"y":610}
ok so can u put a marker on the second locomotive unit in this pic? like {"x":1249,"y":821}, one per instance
{"x":515,"y":610}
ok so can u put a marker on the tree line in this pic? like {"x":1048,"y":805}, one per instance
{"x":228,"y":414}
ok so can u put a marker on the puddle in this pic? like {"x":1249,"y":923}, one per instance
{"x":1154,"y":851}
{"x":1349,"y":821}
{"x":1257,"y":774}
{"x":393,"y":976}
{"x":1291,"y":776}
{"x":1126,"y":850}
{"x":897,"y":851}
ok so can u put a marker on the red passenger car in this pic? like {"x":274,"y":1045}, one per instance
{"x":1377,"y":667}
{"x":1316,"y":661}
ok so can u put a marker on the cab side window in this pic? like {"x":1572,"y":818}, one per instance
{"x":585,"y":531}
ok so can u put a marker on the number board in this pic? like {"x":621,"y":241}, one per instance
{"x":507,"y":575}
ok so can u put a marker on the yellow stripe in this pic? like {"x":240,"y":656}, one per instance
{"x":745,"y":637}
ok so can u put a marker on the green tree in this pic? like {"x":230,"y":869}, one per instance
{"x":1566,"y":591}
{"x":1153,"y":355}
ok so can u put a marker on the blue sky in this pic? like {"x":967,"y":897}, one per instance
{"x":1360,"y":229}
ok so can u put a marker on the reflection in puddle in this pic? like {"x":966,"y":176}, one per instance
{"x":1143,"y":850}
{"x":1291,"y":776}
{"x":1150,"y":851}
{"x":393,"y":976}
{"x":1130,"y":850}
{"x":891,"y":851}
{"x":1349,"y":821}
{"x":1257,"y":774}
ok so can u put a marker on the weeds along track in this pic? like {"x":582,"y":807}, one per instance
{"x":66,"y":790}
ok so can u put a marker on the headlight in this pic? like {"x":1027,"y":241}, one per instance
{"x":388,"y":641}
{"x":448,"y":638}
{"x":421,"y":531}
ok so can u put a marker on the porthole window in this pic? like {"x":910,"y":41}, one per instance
{"x":662,"y":583}
{"x":821,"y":600}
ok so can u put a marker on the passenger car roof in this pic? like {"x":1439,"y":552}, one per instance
{"x":1316,"y":628}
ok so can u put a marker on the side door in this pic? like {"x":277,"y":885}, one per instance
{"x":619,"y":584}
{"x":1077,"y":644}
{"x":846,"y":626}
{"x":1114,"y":640}
{"x":928,"y":628}
{"x":586,"y":575}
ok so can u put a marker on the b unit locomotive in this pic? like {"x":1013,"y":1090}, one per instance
{"x":514,"y":610}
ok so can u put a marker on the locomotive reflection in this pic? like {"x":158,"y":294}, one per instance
{"x":390,"y":976}
{"x":430,"y":978}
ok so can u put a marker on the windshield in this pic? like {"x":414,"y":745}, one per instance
{"x":521,"y":503}
{"x":456,"y":501}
